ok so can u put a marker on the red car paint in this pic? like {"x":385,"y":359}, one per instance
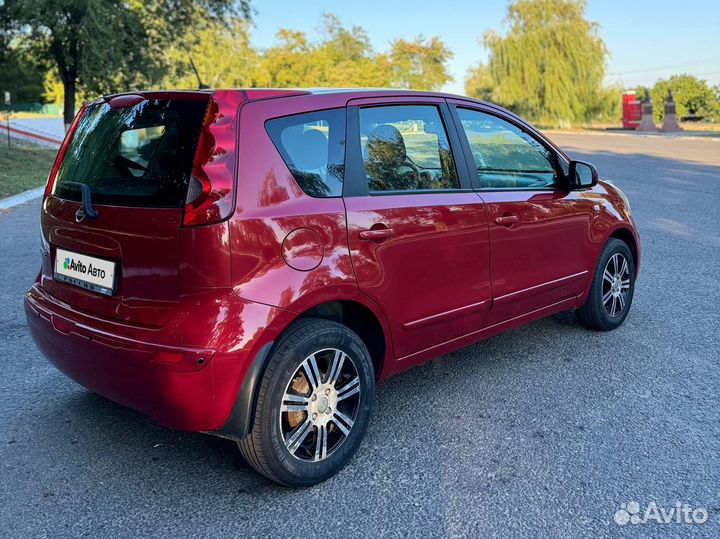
{"x":205,"y":290}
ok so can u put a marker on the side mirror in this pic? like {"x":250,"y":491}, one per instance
{"x":582,"y":175}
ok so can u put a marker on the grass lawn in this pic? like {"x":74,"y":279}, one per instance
{"x":23,"y":166}
{"x":24,"y":115}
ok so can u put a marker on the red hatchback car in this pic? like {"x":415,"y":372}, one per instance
{"x":249,"y":263}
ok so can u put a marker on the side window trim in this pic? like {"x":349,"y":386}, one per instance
{"x":469,"y":162}
{"x":456,"y":147}
{"x":469,"y":172}
{"x":355,"y":182}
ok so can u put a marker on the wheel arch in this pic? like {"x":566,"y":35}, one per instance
{"x":627,"y":236}
{"x":359,"y":317}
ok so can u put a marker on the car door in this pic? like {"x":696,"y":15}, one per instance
{"x":417,"y":232}
{"x":540,"y":249}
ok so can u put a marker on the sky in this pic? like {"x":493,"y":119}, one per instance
{"x":648,"y":39}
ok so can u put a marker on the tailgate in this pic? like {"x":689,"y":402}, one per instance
{"x":136,"y":155}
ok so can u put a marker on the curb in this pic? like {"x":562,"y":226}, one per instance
{"x":21,"y":198}
{"x":636,"y":134}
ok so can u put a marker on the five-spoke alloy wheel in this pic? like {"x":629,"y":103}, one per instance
{"x":313,"y":404}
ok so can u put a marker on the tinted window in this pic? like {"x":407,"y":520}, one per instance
{"x":505,"y":156}
{"x":313,"y":147}
{"x":133,"y":156}
{"x":406,"y":147}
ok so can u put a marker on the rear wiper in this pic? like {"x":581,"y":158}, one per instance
{"x":87,"y":207}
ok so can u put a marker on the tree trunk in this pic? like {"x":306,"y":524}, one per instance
{"x":69,"y":86}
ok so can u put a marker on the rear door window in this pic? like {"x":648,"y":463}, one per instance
{"x":313,"y":148}
{"x":134,"y":156}
{"x":406,"y":148}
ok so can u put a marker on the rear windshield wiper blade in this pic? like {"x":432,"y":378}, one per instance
{"x":87,"y":206}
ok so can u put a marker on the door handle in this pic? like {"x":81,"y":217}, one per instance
{"x":376,"y":234}
{"x":507,"y":220}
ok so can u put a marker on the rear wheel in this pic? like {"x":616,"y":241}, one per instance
{"x":313,"y":405}
{"x":612,"y":289}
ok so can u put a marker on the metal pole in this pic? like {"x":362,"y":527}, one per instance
{"x":8,"y":104}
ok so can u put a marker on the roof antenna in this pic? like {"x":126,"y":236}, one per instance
{"x":201,"y":86}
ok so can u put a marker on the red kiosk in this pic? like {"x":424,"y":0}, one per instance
{"x":631,"y":110}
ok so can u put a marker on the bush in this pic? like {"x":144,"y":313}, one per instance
{"x":694,"y":98}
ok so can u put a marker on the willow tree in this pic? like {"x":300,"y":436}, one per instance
{"x":479,"y":82}
{"x":551,"y":63}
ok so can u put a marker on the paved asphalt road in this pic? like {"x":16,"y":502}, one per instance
{"x":544,"y":431}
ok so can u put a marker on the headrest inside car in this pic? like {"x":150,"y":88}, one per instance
{"x":314,"y":154}
{"x":386,"y":145}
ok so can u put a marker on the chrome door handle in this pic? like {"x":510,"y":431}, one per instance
{"x":507,"y":220}
{"x":376,"y":234}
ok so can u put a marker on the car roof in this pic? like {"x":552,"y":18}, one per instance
{"x":265,"y":93}
{"x":355,"y":93}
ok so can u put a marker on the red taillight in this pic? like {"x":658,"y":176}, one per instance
{"x":61,"y":153}
{"x":211,"y":194}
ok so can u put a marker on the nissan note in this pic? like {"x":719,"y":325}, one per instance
{"x":250,"y":263}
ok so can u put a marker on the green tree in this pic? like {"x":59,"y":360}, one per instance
{"x":221,"y":53}
{"x":420,"y":64}
{"x":291,"y":63}
{"x":714,"y":114}
{"x":344,"y":57}
{"x":693,"y":98}
{"x":21,"y":76}
{"x":479,"y":82}
{"x":550,"y":64}
{"x":103,"y":45}
{"x":608,"y":106}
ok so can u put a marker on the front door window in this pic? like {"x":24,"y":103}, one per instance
{"x":505,"y":156}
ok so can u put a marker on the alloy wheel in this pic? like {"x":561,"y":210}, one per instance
{"x":616,"y":285}
{"x":320,"y":405}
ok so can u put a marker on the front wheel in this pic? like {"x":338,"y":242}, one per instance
{"x":313,"y":405}
{"x":612,"y":289}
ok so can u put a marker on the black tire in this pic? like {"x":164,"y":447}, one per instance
{"x":595,"y":313}
{"x":265,"y":447}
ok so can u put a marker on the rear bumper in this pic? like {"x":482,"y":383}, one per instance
{"x":184,"y":386}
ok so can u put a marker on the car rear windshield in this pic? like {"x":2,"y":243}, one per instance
{"x":133,"y":156}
